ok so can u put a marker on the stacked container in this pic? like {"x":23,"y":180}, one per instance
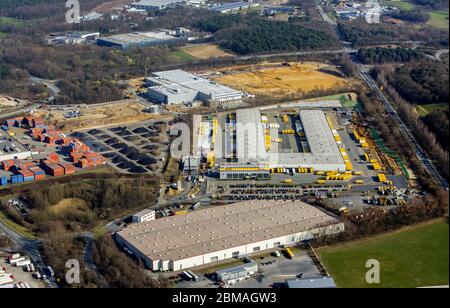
{"x":38,"y":173}
{"x":3,"y":181}
{"x":53,"y":157}
{"x":68,"y":168}
{"x":27,"y":175}
{"x":8,"y":164}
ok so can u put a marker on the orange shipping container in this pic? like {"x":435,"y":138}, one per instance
{"x":54,"y":157}
{"x":68,"y":168}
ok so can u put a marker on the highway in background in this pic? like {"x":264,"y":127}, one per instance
{"x":421,"y":155}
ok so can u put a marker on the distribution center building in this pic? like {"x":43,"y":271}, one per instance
{"x":242,"y":151}
{"x":141,"y":39}
{"x":206,"y":236}
{"x":177,"y":86}
{"x":156,"y":5}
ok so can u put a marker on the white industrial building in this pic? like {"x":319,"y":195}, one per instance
{"x":247,"y":143}
{"x":177,"y":87}
{"x":158,"y":5}
{"x":11,"y":149}
{"x":143,"y":216}
{"x":207,"y":236}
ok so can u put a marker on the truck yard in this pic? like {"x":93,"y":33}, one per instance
{"x":20,"y":274}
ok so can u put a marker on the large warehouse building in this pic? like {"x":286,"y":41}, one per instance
{"x":141,"y":39}
{"x":177,"y":86}
{"x":245,"y":146}
{"x":202,"y":237}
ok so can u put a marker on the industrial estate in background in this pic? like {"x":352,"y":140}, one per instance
{"x":286,"y":151}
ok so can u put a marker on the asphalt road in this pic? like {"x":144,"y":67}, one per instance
{"x":421,"y":155}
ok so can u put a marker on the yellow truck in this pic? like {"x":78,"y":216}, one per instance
{"x":287,"y":181}
{"x":289,"y":253}
{"x":359,"y":182}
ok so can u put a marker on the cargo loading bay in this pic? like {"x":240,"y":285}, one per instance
{"x":362,"y":183}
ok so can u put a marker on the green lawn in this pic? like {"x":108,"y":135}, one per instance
{"x":401,"y":4}
{"x":423,"y":110}
{"x":16,"y":227}
{"x":412,"y":257}
{"x":10,"y":21}
{"x":183,"y":56}
{"x":3,"y":35}
{"x":439,"y":19}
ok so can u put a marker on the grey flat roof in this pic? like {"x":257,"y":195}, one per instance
{"x":137,"y":37}
{"x":250,"y":142}
{"x":229,"y":6}
{"x":323,"y":146}
{"x":223,"y":227}
{"x":311,"y":283}
{"x":143,"y":212}
{"x":184,"y":79}
{"x":157,"y":2}
{"x":237,"y":268}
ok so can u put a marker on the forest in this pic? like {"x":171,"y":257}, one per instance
{"x":361,"y":34}
{"x":80,"y":205}
{"x":384,"y":55}
{"x":415,"y":16}
{"x":422,"y":82}
{"x":29,"y":9}
{"x":420,"y":78}
{"x":251,"y":34}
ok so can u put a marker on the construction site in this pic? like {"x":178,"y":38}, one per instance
{"x":282,"y":79}
{"x":76,"y":118}
{"x":31,"y":150}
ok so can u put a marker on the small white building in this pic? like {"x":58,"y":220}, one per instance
{"x":143,"y":216}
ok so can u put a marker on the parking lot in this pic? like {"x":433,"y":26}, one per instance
{"x":136,"y":148}
{"x":19,"y":274}
{"x":272,"y":273}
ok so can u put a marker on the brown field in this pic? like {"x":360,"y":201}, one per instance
{"x":277,"y":80}
{"x":111,"y":6}
{"x":68,"y":204}
{"x":205,"y":51}
{"x":104,"y":115}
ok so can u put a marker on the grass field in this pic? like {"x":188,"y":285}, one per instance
{"x":423,"y":110}
{"x":412,"y":257}
{"x":16,"y":227}
{"x":205,"y":51}
{"x":182,"y":56}
{"x":278,"y":80}
{"x":401,"y":4}
{"x":439,"y":19}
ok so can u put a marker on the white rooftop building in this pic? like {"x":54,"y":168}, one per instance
{"x":177,"y":86}
{"x":206,"y":236}
{"x":143,"y":216}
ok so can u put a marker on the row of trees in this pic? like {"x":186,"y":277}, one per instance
{"x":90,"y":201}
{"x":114,"y":268}
{"x":378,"y":220}
{"x":361,"y":34}
{"x":415,"y":16}
{"x":426,"y":137}
{"x":383,"y":55}
{"x":394,"y":139}
{"x":421,"y":82}
{"x":253,"y":34}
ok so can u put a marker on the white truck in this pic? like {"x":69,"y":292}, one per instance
{"x":6,"y":280}
{"x":23,"y":263}
{"x":14,"y":261}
